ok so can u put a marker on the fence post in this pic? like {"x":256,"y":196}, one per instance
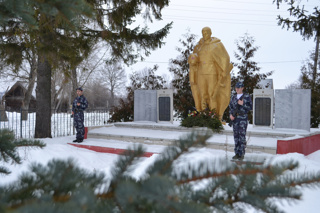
{"x":20,"y":122}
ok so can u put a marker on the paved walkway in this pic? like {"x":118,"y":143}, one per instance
{"x":259,"y":139}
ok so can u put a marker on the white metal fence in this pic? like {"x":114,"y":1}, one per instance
{"x":61,"y":122}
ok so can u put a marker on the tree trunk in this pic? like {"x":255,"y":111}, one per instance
{"x":27,"y":96}
{"x":3,"y":115}
{"x":112,"y":97}
{"x":74,"y":83}
{"x":315,"y":64}
{"x":53,"y":97}
{"x":61,"y":89}
{"x":43,"y":92}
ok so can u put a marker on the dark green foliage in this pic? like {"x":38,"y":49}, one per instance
{"x":172,"y":183}
{"x":123,"y":112}
{"x":248,"y":70}
{"x":24,"y":10}
{"x":182,"y":96}
{"x":62,"y":33}
{"x":307,"y":82}
{"x":8,"y":148}
{"x":308,"y":24}
{"x":145,"y":79}
{"x":57,"y":182}
{"x":206,"y":118}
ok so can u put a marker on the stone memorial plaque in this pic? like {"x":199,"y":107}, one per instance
{"x":153,"y":105}
{"x":293,"y":108}
{"x":262,"y":112}
{"x":164,"y":109}
{"x":165,"y":105}
{"x":145,"y":105}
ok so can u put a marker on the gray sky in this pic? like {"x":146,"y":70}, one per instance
{"x":280,"y":50}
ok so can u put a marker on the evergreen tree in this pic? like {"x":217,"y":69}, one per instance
{"x":308,"y":24}
{"x":248,"y":70}
{"x":51,"y":34}
{"x":63,"y":32}
{"x":308,"y":81}
{"x":8,"y":148}
{"x":145,"y":79}
{"x":182,"y":96}
{"x":61,"y":186}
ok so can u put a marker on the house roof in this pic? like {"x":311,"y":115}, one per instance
{"x":21,"y":84}
{"x":17,"y":84}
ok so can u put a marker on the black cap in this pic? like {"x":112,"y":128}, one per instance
{"x":79,"y":88}
{"x":239,"y":85}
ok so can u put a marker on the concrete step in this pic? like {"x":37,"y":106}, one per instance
{"x":166,"y":134}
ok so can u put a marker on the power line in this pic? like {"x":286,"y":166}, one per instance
{"x":190,"y":18}
{"x":217,"y":21}
{"x":244,"y":2}
{"x":254,"y":2}
{"x":241,"y":2}
{"x":224,"y":8}
{"x":223,"y":12}
{"x":266,"y":62}
{"x":280,"y":62}
{"x":227,"y":12}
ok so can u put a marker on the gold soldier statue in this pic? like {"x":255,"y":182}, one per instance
{"x":210,"y":69}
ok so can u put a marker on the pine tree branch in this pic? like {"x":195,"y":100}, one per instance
{"x":29,"y":143}
{"x":4,"y":171}
{"x":163,"y":164}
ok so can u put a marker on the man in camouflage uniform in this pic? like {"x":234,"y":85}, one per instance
{"x":239,"y":107}
{"x":79,"y":104}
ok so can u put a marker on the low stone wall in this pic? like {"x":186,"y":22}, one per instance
{"x":306,"y":145}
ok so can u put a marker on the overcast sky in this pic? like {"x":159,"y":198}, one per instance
{"x":279,"y":50}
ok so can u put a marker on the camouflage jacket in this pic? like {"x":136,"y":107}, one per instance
{"x":83,"y":104}
{"x":240,"y":111}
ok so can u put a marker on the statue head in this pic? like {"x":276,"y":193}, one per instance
{"x":206,"y":33}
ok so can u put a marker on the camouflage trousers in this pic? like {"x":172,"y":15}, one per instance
{"x":78,"y":124}
{"x":239,"y":134}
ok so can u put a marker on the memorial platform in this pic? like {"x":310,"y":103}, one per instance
{"x":259,"y":139}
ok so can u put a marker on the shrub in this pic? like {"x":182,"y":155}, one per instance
{"x":205,"y":118}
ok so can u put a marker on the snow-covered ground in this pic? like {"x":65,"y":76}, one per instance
{"x":59,"y":148}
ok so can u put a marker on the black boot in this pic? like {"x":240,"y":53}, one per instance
{"x":236,"y":157}
{"x":75,"y":141}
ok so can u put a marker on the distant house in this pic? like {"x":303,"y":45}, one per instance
{"x":14,"y":97}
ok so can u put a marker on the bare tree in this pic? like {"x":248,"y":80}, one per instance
{"x":26,"y":72}
{"x":32,"y":80}
{"x":115,"y":79}
{"x":168,"y":79}
{"x":294,"y":85}
{"x":97,"y":93}
{"x":64,"y":84}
